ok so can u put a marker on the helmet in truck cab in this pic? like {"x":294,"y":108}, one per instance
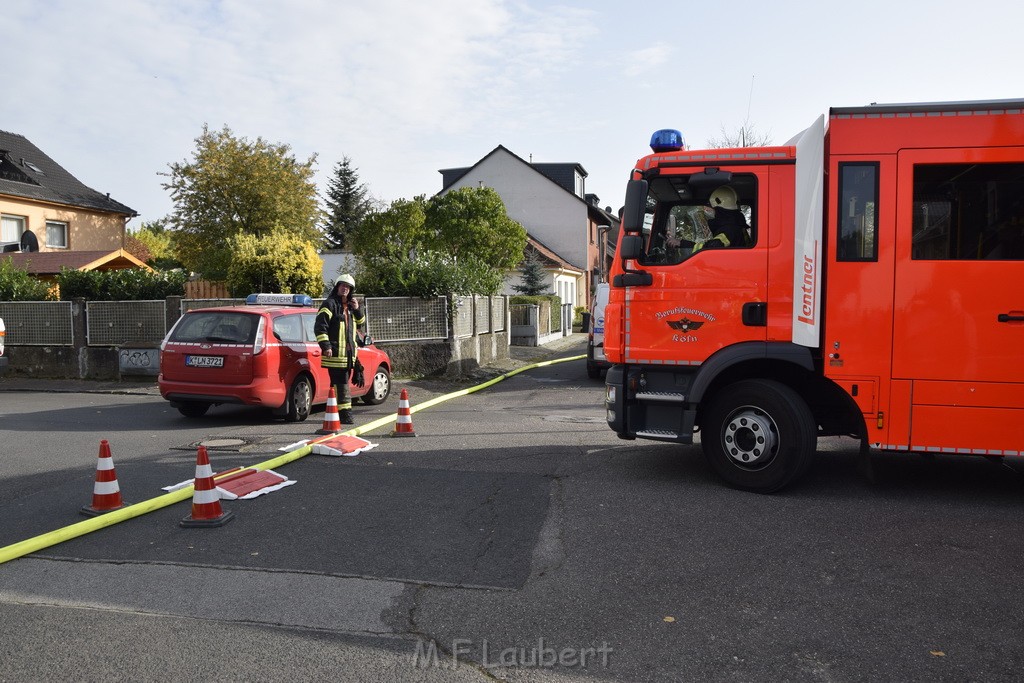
{"x":724,"y":197}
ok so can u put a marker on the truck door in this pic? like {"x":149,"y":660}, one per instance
{"x":704,"y":295}
{"x":958,"y":329}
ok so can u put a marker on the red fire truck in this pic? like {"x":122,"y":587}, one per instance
{"x":864,"y":280}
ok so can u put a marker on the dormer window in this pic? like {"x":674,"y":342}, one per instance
{"x":579,"y":183}
{"x":32,"y":166}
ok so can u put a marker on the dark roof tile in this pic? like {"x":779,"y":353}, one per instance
{"x":26,"y":172}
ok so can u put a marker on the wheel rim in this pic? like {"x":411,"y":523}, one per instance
{"x":303,"y":398}
{"x":380,"y":386}
{"x":750,"y":438}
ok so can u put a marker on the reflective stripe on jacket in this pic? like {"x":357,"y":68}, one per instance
{"x":335,"y":329}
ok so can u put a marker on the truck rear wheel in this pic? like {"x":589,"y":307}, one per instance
{"x":758,"y":435}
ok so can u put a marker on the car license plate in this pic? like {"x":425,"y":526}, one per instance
{"x":204,"y":361}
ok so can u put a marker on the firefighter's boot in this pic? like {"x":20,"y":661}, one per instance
{"x":345,"y":417}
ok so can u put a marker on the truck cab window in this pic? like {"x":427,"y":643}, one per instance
{"x":857,"y":224}
{"x":968,"y":211}
{"x":686,"y":218}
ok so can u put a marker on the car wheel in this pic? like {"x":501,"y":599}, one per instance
{"x":300,"y":400}
{"x":758,"y":435}
{"x":380,"y":387}
{"x":193,"y":408}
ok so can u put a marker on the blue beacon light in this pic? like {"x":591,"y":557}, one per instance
{"x":667,"y":140}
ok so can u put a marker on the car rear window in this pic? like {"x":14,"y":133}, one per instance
{"x":225,"y":327}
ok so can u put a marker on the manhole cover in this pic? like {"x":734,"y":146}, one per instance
{"x":216,"y":445}
{"x":222,"y":443}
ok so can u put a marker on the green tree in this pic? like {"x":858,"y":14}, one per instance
{"x":233,"y":186}
{"x":533,"y":276}
{"x":471,"y":223}
{"x":429,"y":274}
{"x":395,"y":234}
{"x":461,"y":243}
{"x":348,"y":203}
{"x":18,"y":285}
{"x":159,"y":239}
{"x":278,"y":262}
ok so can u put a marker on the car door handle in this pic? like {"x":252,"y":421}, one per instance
{"x":1011,"y":318}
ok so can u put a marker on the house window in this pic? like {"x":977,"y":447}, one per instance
{"x":11,"y":227}
{"x":579,"y":185}
{"x":57,"y":234}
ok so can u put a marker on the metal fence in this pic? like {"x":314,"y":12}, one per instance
{"x":193,"y":304}
{"x":38,"y":323}
{"x":117,"y":323}
{"x":114,"y":323}
{"x":463,"y":316}
{"x":406,"y":319}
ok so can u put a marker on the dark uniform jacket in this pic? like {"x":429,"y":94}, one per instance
{"x":335,"y":329}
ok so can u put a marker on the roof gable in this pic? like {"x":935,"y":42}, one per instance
{"x":561,"y":174}
{"x":26,"y":172}
{"x":51,"y":262}
{"x":547,"y":256}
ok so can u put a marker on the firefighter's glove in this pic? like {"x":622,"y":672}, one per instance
{"x":358,"y":378}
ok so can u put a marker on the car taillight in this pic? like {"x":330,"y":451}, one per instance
{"x":261,"y":339}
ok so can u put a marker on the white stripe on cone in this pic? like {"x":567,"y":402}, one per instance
{"x":105,"y":488}
{"x":206,"y":497}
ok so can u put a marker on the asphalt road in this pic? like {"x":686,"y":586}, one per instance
{"x":515,"y":538}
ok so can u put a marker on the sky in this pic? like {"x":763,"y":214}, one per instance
{"x":117,"y":90}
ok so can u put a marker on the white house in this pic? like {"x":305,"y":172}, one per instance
{"x":550,"y":201}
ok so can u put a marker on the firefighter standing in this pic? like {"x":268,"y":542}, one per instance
{"x":335,"y":330}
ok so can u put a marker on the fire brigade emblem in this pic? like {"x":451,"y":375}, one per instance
{"x":685,"y":325}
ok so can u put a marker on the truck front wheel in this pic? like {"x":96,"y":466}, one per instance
{"x":758,"y":435}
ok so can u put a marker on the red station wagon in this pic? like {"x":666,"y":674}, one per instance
{"x":260,"y":354}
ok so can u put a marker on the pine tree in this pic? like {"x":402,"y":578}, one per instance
{"x":533,"y":276}
{"x":348,"y":202}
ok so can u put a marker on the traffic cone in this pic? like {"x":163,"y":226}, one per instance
{"x":403,"y":421}
{"x":206,"y":509}
{"x":106,"y":494}
{"x":332,"y":421}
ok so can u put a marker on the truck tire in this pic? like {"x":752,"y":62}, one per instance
{"x":758,"y":435}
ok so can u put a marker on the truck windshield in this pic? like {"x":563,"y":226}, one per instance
{"x":683,"y":219}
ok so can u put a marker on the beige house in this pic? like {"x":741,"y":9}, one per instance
{"x":46,"y":209}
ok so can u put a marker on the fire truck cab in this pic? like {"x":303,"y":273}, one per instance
{"x":862,"y":280}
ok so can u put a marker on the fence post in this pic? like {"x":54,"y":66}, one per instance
{"x":173,"y":311}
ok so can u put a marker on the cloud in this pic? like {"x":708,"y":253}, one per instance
{"x":646,"y":60}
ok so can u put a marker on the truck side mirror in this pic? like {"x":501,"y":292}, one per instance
{"x":636,"y":206}
{"x":630,"y":247}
